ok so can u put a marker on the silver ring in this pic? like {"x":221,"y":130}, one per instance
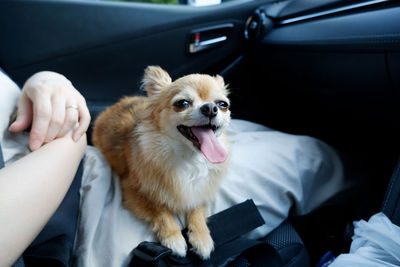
{"x":72,"y":106}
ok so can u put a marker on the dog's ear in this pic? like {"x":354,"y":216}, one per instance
{"x":155,"y":80}
{"x":220,"y":80}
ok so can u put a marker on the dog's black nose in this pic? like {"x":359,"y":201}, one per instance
{"x":209,"y":110}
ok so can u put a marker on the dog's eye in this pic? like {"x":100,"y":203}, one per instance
{"x":182,"y":103}
{"x":222,"y":104}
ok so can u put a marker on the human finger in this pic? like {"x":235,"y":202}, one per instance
{"x":24,"y":115}
{"x":57,"y":116}
{"x":84,"y":120}
{"x":40,"y":122}
{"x":71,"y":119}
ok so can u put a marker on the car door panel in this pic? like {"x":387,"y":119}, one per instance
{"x":394,"y":68}
{"x":326,"y":73}
{"x":359,"y":31}
{"x":103,"y":47}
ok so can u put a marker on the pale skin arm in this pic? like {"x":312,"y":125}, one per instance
{"x":31,"y":189}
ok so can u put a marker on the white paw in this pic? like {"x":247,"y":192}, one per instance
{"x":176,"y":243}
{"x":202,"y":244}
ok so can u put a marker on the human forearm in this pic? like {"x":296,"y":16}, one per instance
{"x":31,"y":189}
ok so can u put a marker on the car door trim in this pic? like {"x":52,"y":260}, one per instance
{"x":331,"y":11}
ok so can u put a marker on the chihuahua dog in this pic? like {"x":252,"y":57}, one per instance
{"x":170,"y":152}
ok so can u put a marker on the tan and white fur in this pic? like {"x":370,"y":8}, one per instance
{"x":164,"y":171}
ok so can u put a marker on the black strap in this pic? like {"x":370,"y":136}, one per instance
{"x":234,"y":222}
{"x":255,"y":252}
{"x":259,"y":255}
{"x":226,"y":229}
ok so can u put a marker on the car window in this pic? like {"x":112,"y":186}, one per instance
{"x":177,"y":2}
{"x":169,"y":2}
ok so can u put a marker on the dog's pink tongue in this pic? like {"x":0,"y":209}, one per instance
{"x":209,"y":145}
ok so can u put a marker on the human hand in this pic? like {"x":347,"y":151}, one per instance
{"x":54,"y":107}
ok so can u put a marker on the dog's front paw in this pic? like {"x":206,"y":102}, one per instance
{"x":202,"y":243}
{"x":176,"y":243}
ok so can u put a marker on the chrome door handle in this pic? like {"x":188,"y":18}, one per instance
{"x":205,"y":38}
{"x":198,"y":46}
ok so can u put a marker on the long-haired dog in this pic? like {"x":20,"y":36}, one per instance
{"x":170,"y":151}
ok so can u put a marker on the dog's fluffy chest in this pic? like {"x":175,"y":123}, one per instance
{"x":186,"y":180}
{"x":195,"y":181}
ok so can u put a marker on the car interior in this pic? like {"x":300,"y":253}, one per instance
{"x":327,"y":69}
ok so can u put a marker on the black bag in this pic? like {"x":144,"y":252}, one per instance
{"x":231,"y":248}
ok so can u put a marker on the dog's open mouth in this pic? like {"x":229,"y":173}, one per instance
{"x":203,"y":137}
{"x":188,"y":133}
